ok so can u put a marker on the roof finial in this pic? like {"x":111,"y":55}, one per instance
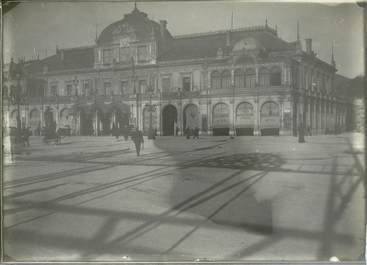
{"x":297,"y":30}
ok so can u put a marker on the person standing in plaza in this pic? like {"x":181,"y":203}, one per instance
{"x":138,"y":140}
{"x":25,"y":135}
{"x":115,"y":131}
{"x":188,"y":133}
{"x":196,"y":133}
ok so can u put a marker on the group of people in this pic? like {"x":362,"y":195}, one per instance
{"x":192,"y":132}
{"x":117,"y":132}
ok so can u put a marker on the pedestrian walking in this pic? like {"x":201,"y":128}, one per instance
{"x":25,"y":136}
{"x":138,"y":140}
{"x":115,"y":131}
{"x":125,"y":132}
{"x":188,"y":133}
{"x":58,"y":136}
{"x":301,"y":133}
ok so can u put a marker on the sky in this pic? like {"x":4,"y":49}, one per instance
{"x":37,"y":27}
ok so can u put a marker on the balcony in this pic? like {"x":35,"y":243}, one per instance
{"x":75,"y":99}
{"x":178,"y":95}
{"x":252,"y":91}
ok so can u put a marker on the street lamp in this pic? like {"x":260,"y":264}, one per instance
{"x":151,"y":108}
{"x":160,"y":111}
{"x":233,"y":112}
{"x":181,"y":114}
{"x":17,"y":96}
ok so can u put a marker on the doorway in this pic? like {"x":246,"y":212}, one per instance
{"x":169,"y":119}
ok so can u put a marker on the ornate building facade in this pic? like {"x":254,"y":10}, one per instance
{"x":245,"y":81}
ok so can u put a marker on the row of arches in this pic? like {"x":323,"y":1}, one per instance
{"x":83,"y":121}
{"x":221,"y":118}
{"x":88,"y":122}
{"x":246,"y":78}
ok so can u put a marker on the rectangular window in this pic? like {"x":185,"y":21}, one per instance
{"x":166,"y":84}
{"x":142,"y":86}
{"x":142,"y":53}
{"x":107,"y":56}
{"x":124,"y":88}
{"x":275,"y":79}
{"x":186,"y":83}
{"x":53,"y":90}
{"x":69,"y":89}
{"x":107,"y":88}
{"x":86,"y":88}
{"x":125,"y":55}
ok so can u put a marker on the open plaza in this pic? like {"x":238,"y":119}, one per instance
{"x":212,"y":198}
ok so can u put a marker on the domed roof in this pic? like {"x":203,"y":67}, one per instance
{"x":135,"y":25}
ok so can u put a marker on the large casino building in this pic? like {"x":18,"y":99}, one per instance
{"x":245,"y":81}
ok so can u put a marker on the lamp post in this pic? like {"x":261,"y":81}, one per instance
{"x":233,"y":112}
{"x":77,"y":122}
{"x":17,"y":96}
{"x":160,"y":112}
{"x":181,"y":114}
{"x":151,"y":108}
{"x":258,"y":108}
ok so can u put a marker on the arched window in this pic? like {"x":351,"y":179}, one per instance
{"x":269,"y":109}
{"x":264,"y":77}
{"x":239,"y":78}
{"x":215,"y":80}
{"x":250,"y":78}
{"x":226,"y":79}
{"x":221,"y":115}
{"x":276,"y":76}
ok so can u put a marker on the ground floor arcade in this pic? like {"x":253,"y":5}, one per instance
{"x":266,"y":115}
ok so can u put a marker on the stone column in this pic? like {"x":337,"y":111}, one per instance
{"x":315,"y":120}
{"x":318,"y":116}
{"x":322,"y":109}
{"x":232,"y":114}
{"x":257,"y":117}
{"x":209,"y":117}
{"x":281,"y":110}
{"x":308,"y":113}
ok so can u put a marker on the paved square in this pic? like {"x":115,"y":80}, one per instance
{"x":213,"y":198}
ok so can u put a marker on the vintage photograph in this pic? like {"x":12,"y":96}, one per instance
{"x":183,"y":131}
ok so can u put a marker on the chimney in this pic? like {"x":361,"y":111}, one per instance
{"x":309,"y":46}
{"x":163,"y":27}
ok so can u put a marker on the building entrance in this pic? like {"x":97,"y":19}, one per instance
{"x":221,"y":120}
{"x":191,"y":117}
{"x":86,"y":123}
{"x":245,"y":120}
{"x":270,"y":119}
{"x":169,"y":120}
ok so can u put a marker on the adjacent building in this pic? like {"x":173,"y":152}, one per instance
{"x":245,"y":81}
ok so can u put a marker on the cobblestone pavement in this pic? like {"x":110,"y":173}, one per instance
{"x":213,"y":198}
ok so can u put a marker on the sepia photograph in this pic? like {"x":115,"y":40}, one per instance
{"x":199,"y":131}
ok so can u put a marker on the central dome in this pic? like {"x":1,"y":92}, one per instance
{"x":136,"y":26}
